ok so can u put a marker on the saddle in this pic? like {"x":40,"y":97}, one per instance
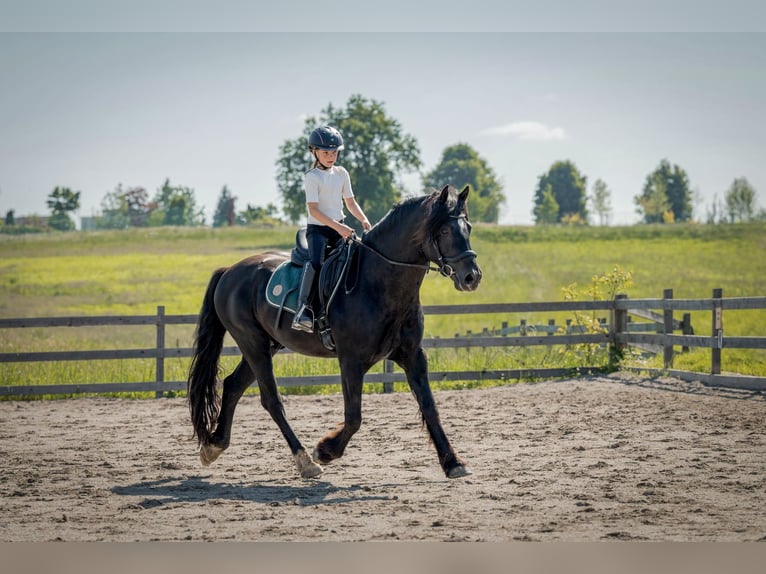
{"x":282,"y":290}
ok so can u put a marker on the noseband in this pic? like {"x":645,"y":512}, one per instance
{"x":446,"y":263}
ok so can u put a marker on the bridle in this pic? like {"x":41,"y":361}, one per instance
{"x":445,"y":263}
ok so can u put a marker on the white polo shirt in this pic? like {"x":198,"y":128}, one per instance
{"x":328,"y":188}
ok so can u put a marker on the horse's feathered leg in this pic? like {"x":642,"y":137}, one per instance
{"x":334,"y":443}
{"x":258,"y":352}
{"x":415,"y":366}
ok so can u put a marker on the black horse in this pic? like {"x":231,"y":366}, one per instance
{"x":380,"y":318}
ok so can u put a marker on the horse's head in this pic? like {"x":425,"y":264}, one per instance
{"x":449,"y":239}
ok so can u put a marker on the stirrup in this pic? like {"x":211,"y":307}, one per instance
{"x":304,"y":319}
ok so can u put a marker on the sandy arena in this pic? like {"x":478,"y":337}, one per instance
{"x":606,"y":458}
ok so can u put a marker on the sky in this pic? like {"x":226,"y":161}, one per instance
{"x":93,"y":96}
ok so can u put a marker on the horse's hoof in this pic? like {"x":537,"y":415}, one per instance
{"x":208,"y":453}
{"x":459,"y":472}
{"x":307,"y":467}
{"x":317,"y":456}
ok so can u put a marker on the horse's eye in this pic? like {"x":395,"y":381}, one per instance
{"x":444,"y":231}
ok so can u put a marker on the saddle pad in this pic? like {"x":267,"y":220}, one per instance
{"x":282,"y":290}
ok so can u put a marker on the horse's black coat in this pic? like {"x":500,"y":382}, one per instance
{"x":381,"y":318}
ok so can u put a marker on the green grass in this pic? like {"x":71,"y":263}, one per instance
{"x":132,"y":272}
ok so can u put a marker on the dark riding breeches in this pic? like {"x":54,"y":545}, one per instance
{"x":318,"y":238}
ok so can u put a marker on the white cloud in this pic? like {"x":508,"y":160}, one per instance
{"x":535,"y":131}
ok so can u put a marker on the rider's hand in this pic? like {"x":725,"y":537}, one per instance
{"x":346,"y":231}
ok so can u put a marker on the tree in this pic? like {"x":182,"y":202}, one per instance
{"x":260,"y":215}
{"x":10,"y":217}
{"x":61,"y":202}
{"x":376,"y":152}
{"x":568,"y":187}
{"x":114,"y":210}
{"x":653,"y":204}
{"x":224,"y":212}
{"x":138,"y":206}
{"x":461,"y":165}
{"x":601,"y":199}
{"x":176,"y":205}
{"x":740,"y":200}
{"x":125,"y":208}
{"x":547,"y":211}
{"x":671,"y":181}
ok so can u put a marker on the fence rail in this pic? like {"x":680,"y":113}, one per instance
{"x":617,"y":334}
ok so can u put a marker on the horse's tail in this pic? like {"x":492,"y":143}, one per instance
{"x":204,"y":402}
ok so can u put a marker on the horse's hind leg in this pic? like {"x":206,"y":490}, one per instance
{"x":234,"y":387}
{"x":261,"y":360}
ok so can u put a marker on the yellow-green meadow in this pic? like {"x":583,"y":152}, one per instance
{"x":132,"y":272}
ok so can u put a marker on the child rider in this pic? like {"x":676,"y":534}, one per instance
{"x":327,"y":187}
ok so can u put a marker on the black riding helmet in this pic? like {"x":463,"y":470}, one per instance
{"x":325,"y":137}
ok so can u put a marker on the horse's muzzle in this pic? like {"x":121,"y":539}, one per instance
{"x":467,"y":277}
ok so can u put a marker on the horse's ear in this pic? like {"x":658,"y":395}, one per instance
{"x":444,"y":195}
{"x":461,"y":200}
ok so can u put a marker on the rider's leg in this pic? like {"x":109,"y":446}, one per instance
{"x":304,"y":316}
{"x":316,"y":237}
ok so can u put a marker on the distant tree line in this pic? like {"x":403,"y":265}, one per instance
{"x":377,"y":154}
{"x":132,"y":207}
{"x":561,"y":197}
{"x":61,"y":202}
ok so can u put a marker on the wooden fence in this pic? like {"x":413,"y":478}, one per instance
{"x":617,"y":334}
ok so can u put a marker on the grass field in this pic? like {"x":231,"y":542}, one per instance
{"x":132,"y":272}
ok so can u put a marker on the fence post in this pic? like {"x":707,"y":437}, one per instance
{"x":715,"y":366}
{"x":160,"y":368}
{"x":617,"y":325}
{"x":667,"y":315}
{"x":686,"y":329}
{"x":551,"y":323}
{"x":388,"y":367}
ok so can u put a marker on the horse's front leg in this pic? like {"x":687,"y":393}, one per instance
{"x":415,"y":366}
{"x":334,"y":443}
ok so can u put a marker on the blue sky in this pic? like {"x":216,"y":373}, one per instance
{"x":112,"y":101}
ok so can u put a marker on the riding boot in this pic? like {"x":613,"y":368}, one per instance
{"x":304,"y":316}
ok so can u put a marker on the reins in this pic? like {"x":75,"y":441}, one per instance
{"x":427,"y":266}
{"x":445,"y":263}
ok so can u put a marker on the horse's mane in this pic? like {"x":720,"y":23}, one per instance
{"x":431,"y":215}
